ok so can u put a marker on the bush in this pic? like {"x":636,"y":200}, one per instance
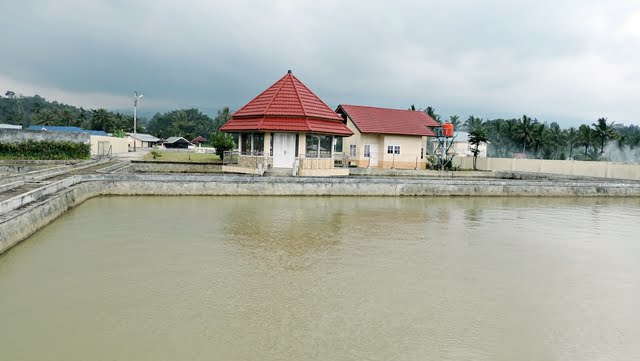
{"x":49,"y":150}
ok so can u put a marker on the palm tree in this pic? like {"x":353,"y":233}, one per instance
{"x":524,"y":131}
{"x":604,"y":132}
{"x":46,"y":117}
{"x":571,"y":136}
{"x":556,"y":139}
{"x":432,"y":113}
{"x":472,"y":123}
{"x":455,"y":120}
{"x":477,"y":136}
{"x":539,"y":138}
{"x":585,"y":138}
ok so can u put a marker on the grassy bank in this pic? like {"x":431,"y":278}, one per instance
{"x":167,"y":156}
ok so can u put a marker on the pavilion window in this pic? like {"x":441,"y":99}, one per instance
{"x":252,"y":143}
{"x":245,"y":141}
{"x":313,"y":142}
{"x":258,"y":143}
{"x":319,"y":146}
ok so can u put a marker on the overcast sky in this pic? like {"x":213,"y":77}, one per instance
{"x":567,"y":61}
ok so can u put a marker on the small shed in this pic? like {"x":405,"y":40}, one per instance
{"x":177,"y":142}
{"x":199,"y":139}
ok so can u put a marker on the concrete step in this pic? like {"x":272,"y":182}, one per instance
{"x":279,"y":172}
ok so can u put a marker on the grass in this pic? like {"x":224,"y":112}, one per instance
{"x":183,"y":157}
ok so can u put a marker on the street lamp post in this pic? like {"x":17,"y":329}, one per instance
{"x":136,"y":97}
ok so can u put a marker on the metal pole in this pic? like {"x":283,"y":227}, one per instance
{"x":135,"y":118}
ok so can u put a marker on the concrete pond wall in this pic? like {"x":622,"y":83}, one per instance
{"x":22,"y":215}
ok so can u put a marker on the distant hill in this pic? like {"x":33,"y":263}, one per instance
{"x":36,"y":110}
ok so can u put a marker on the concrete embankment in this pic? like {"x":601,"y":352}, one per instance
{"x":22,"y":215}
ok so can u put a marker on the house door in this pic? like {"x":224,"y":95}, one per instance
{"x":284,"y":150}
{"x":371,"y":152}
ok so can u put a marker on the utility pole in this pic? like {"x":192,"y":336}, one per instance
{"x":136,"y":97}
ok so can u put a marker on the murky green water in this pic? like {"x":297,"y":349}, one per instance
{"x":204,"y":278}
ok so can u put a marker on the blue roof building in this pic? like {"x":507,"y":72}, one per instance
{"x":65,"y":129}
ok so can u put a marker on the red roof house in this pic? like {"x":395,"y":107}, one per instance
{"x":387,"y":138}
{"x":287,"y":122}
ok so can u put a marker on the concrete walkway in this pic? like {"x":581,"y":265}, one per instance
{"x":137,"y":155}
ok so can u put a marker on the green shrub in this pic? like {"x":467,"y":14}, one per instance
{"x":31,"y":149}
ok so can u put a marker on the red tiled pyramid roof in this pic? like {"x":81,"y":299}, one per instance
{"x":287,"y":105}
{"x":389,"y":121}
{"x":199,"y":139}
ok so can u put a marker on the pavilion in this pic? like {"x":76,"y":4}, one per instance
{"x":288,"y":127}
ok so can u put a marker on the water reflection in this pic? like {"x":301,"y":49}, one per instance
{"x":270,"y":278}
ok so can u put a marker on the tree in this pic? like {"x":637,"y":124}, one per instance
{"x":476,"y":137}
{"x":222,"y":142}
{"x":603,"y":132}
{"x":524,"y":131}
{"x":539,"y":138}
{"x":585,"y":138}
{"x":472,"y":123}
{"x":432,"y":113}
{"x":224,"y":115}
{"x":571,"y":137}
{"x":10,"y":94}
{"x":455,"y":120}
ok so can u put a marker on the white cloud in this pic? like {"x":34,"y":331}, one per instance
{"x":562,"y":58}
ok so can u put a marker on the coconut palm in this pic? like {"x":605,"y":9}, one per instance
{"x":476,"y":137}
{"x":455,"y":120}
{"x":585,"y":138}
{"x":432,"y":113}
{"x":571,"y":139}
{"x":604,"y":132}
{"x":472,"y":123}
{"x":524,"y":131}
{"x":539,"y":138}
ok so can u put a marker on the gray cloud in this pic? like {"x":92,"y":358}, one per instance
{"x":557,"y":60}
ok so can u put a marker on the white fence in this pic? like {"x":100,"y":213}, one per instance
{"x":565,"y":167}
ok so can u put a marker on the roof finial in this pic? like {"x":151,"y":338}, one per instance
{"x":289,"y":71}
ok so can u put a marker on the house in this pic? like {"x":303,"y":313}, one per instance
{"x":66,"y":129}
{"x":199,"y":140}
{"x":142,"y":140}
{"x":460,"y":147}
{"x":177,"y":142}
{"x":386,"y":138}
{"x":290,"y":127}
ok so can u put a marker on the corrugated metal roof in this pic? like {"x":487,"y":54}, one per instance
{"x":65,"y":129}
{"x":389,"y":121}
{"x":288,"y":106}
{"x":144,"y":137}
{"x":175,"y":139}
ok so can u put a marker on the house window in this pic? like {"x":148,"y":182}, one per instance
{"x":337,"y":148}
{"x":352,"y":150}
{"x":367,"y":150}
{"x":421,"y":153}
{"x":393,"y":149}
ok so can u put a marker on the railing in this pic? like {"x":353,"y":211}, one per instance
{"x":315,"y":161}
{"x":252,"y":160}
